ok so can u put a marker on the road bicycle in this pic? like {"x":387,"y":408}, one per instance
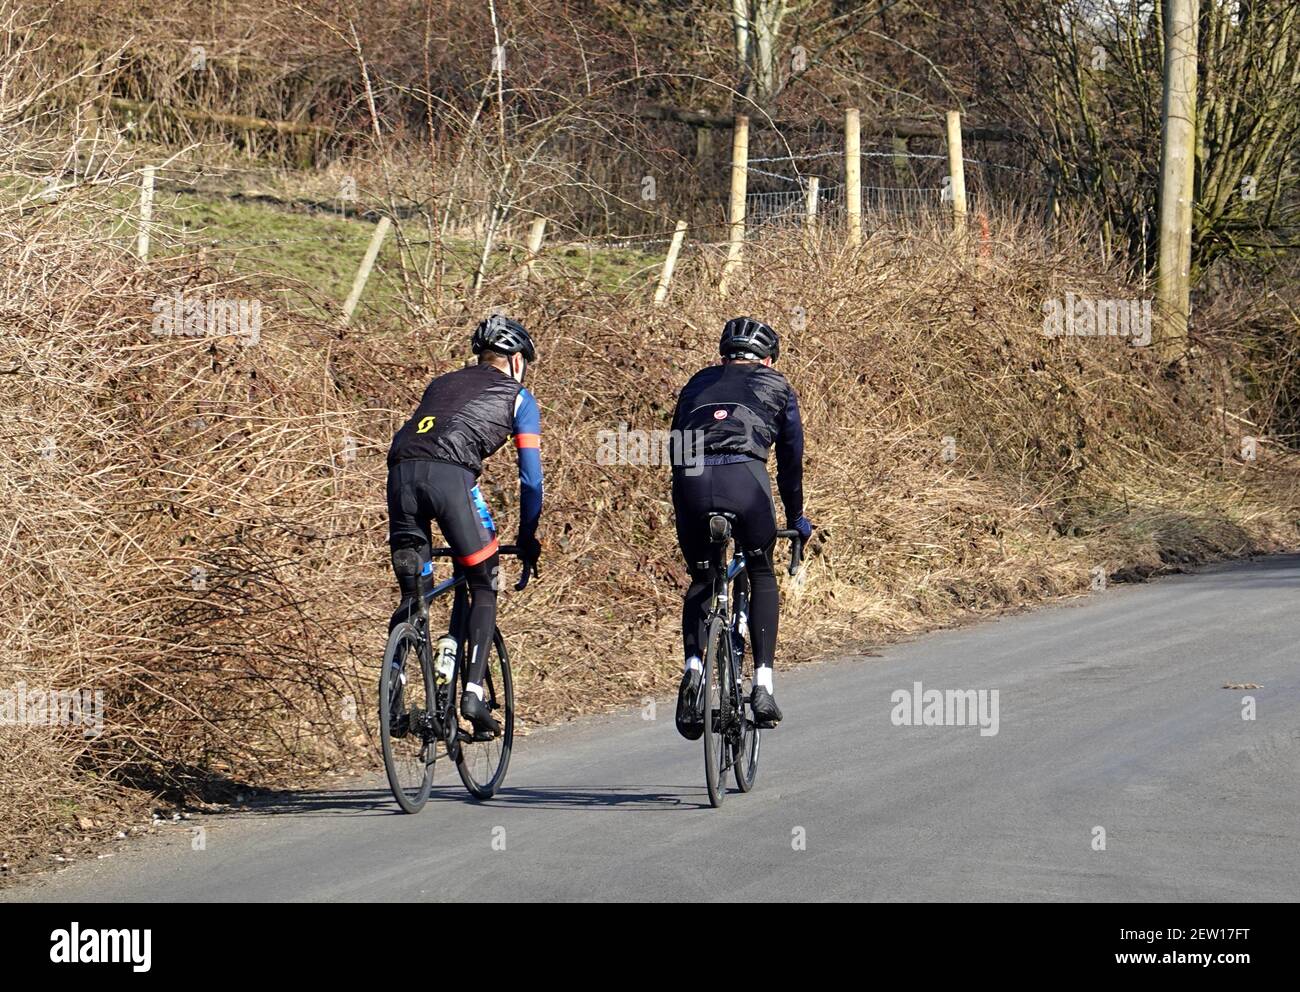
{"x":731,"y":737}
{"x":418,"y":717}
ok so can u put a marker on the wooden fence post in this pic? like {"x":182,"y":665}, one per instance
{"x":853,"y":174}
{"x":670,"y":263}
{"x":367,"y":263}
{"x":535,"y":235}
{"x":704,"y":150}
{"x":739,"y":180}
{"x":810,"y":205}
{"x":956,"y":173}
{"x":902,"y":171}
{"x":146,"y":212}
{"x":495,"y":218}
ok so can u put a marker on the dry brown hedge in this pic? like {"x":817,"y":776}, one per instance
{"x":195,"y":525}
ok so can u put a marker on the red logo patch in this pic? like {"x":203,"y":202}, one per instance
{"x":719,"y":414}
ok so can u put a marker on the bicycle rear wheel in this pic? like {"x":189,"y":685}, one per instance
{"x":406,"y":694}
{"x":482,"y":764}
{"x":744,"y":735}
{"x":717,"y":706}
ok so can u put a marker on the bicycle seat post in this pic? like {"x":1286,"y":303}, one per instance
{"x":422,"y":581}
{"x":719,"y":534}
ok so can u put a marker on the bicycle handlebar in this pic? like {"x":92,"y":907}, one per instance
{"x":796,"y":547}
{"x":530,"y":568}
{"x":509,"y":550}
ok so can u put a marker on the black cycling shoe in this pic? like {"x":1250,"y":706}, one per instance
{"x":766,"y":713}
{"x":477,"y":712}
{"x":690,"y":709}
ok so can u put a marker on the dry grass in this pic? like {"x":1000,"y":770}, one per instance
{"x":130,"y":460}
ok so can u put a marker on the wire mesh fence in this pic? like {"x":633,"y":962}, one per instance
{"x":899,"y":187}
{"x":881,"y":205}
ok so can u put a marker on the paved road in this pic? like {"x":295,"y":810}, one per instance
{"x":1112,"y":714}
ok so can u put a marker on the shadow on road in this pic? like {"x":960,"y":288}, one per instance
{"x":379,"y":801}
{"x":1271,"y":572}
{"x":332,"y":802}
{"x":626,"y":798}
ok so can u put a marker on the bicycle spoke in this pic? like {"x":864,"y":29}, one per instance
{"x":406,"y":694}
{"x":482,"y":764}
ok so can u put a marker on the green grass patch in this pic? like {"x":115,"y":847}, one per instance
{"x":322,"y":252}
{"x":317,"y":254}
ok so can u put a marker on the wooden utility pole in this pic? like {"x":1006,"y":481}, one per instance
{"x":1177,"y":175}
{"x":956,"y":174}
{"x":367,"y":263}
{"x":853,"y":174}
{"x":739,"y":179}
{"x":670,"y":263}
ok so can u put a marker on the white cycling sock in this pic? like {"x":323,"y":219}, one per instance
{"x":693,"y":664}
{"x":475,"y":688}
{"x":763,"y":677}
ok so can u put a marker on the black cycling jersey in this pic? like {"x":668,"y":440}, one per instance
{"x":462,"y":418}
{"x":740,"y":411}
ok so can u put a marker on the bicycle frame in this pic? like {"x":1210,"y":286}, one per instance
{"x":444,"y":719}
{"x":726,"y":591}
{"x":723,"y":582}
{"x":433,"y":716}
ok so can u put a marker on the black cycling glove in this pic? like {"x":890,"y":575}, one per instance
{"x":529,"y":547}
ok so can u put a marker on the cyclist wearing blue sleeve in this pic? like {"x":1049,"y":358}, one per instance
{"x":433,"y":468}
{"x":736,"y":413}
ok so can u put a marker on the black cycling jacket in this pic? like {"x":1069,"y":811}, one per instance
{"x":742,"y":410}
{"x":462,"y":418}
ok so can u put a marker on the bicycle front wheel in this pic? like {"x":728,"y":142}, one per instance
{"x":482,"y":764}
{"x":406,"y":694}
{"x":717,"y":708}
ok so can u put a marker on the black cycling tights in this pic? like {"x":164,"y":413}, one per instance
{"x":763,"y":608}
{"x":481,"y":579}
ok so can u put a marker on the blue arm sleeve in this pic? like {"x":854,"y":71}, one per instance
{"x":528,"y":435}
{"x":789,"y":460}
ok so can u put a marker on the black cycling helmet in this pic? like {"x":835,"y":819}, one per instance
{"x":745,"y":337}
{"x":504,"y":335}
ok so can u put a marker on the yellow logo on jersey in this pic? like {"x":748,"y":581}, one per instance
{"x":425,"y":425}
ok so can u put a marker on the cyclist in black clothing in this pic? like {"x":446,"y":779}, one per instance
{"x":736,"y":413}
{"x":433,"y":468}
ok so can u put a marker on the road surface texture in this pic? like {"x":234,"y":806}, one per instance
{"x":1112,"y":715}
